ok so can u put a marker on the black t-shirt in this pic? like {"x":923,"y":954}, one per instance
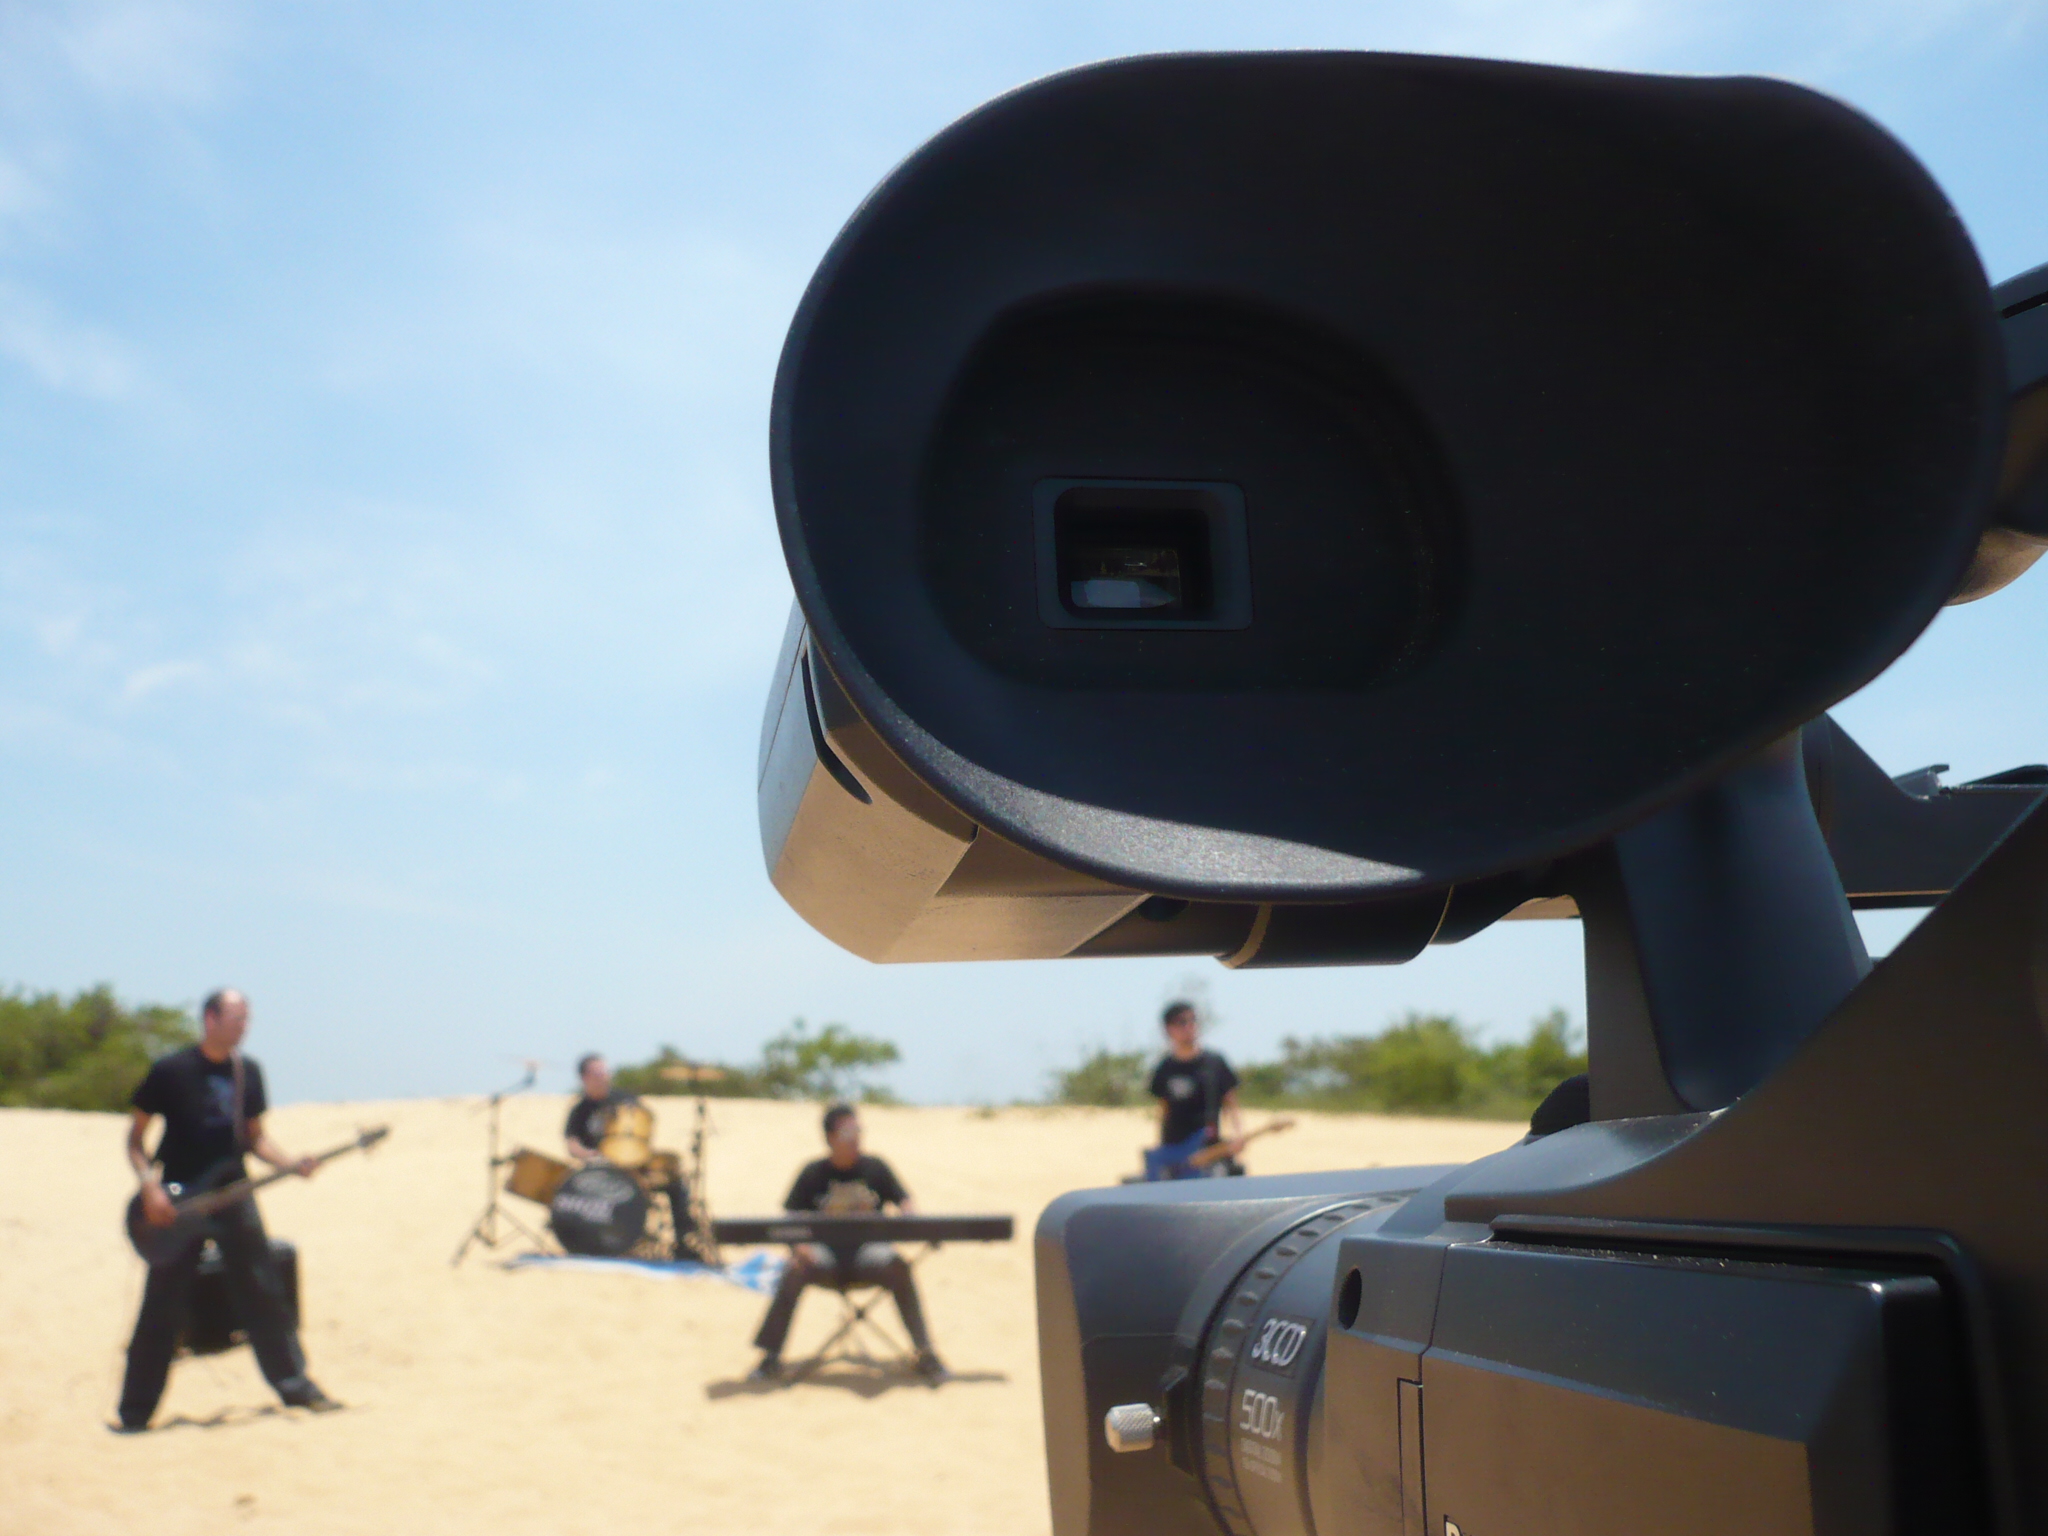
{"x":1193,"y":1093}
{"x":196,"y":1096}
{"x":587,"y":1116}
{"x":866,"y":1187}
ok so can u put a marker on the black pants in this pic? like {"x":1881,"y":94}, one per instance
{"x":260,"y":1305}
{"x":870,"y":1264}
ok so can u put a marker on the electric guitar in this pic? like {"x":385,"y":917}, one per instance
{"x":197,"y":1202}
{"x":1191,"y":1158}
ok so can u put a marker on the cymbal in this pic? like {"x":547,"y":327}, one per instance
{"x":690,"y":1074}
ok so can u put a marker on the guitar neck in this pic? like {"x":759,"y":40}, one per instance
{"x":1216,"y":1154}
{"x":228,"y":1194}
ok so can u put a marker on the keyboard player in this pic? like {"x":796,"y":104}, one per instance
{"x":845,"y":1182}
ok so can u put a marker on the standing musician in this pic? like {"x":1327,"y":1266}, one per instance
{"x":1197,"y":1092}
{"x":590,"y":1116}
{"x":212,"y":1101}
{"x":845,"y":1182}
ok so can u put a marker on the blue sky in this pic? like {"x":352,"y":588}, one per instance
{"x":388,"y":585}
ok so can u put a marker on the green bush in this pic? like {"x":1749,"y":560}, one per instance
{"x":1538,"y":1064}
{"x":1110,"y":1079}
{"x":1422,"y":1064}
{"x":835,"y":1063}
{"x":87,"y":1053}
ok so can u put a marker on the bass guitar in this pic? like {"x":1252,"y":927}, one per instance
{"x":1192,"y":1158}
{"x":197,"y":1202}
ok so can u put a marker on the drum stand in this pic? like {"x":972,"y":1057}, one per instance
{"x":699,"y":1213}
{"x":697,"y":1218}
{"x":487,"y":1229}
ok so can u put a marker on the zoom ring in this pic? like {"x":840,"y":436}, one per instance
{"x":1226,"y":1339}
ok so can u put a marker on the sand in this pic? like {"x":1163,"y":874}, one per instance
{"x":483,"y":1399}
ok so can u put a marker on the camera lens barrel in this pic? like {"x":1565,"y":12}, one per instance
{"x":1257,"y":1385}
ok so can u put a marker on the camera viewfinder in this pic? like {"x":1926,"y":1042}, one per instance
{"x":1120,"y":554}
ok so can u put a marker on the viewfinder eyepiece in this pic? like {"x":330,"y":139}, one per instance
{"x":1130,"y":554}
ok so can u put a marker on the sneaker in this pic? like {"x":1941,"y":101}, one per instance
{"x":769,"y":1369}
{"x":931,"y":1368}
{"x":312,"y":1399}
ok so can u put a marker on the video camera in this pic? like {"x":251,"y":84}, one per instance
{"x":1300,"y":508}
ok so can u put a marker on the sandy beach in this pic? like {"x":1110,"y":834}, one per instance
{"x":550,"y":1401}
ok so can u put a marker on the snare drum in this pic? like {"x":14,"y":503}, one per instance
{"x":628,"y":1136}
{"x":663,"y":1169}
{"x":536,"y":1176}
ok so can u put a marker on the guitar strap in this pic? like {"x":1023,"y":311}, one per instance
{"x":1212,"y":1096}
{"x":241,"y":1121}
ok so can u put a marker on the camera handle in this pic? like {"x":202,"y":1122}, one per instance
{"x":1717,"y":938}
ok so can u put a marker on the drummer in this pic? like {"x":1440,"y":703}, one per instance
{"x":588,"y":1119}
{"x":587,"y":1116}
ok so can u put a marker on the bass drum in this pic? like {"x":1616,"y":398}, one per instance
{"x":599,"y":1211}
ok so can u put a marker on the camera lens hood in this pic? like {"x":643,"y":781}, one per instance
{"x":1319,"y":476}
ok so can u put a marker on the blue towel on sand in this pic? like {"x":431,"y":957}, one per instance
{"x":756,"y":1272}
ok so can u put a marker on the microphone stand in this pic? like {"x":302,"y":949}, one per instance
{"x":697,"y":1218}
{"x":700,"y":1194}
{"x":487,"y":1228}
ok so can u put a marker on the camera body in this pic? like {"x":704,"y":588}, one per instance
{"x":1300,"y":508}
{"x":1813,"y":1310}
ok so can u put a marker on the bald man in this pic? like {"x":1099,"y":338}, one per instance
{"x":211,"y":1100}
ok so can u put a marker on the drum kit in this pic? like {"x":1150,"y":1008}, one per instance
{"x":620,"y":1204}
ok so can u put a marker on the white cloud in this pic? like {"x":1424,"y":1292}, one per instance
{"x":1812,"y":41}
{"x":260,"y":662}
{"x":1602,"y":32}
{"x":18,"y":190}
{"x":146,"y":51}
{"x":62,"y":59}
{"x":451,"y":660}
{"x":78,"y":78}
{"x":144,"y":681}
{"x":1850,"y":33}
{"x":63,"y":356}
{"x":45,"y":729}
{"x":41,"y":598}
{"x":58,"y":634}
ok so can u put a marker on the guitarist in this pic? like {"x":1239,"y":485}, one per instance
{"x":212,"y":1101}
{"x":1197,"y":1093}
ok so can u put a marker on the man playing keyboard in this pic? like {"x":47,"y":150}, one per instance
{"x":845,"y":1182}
